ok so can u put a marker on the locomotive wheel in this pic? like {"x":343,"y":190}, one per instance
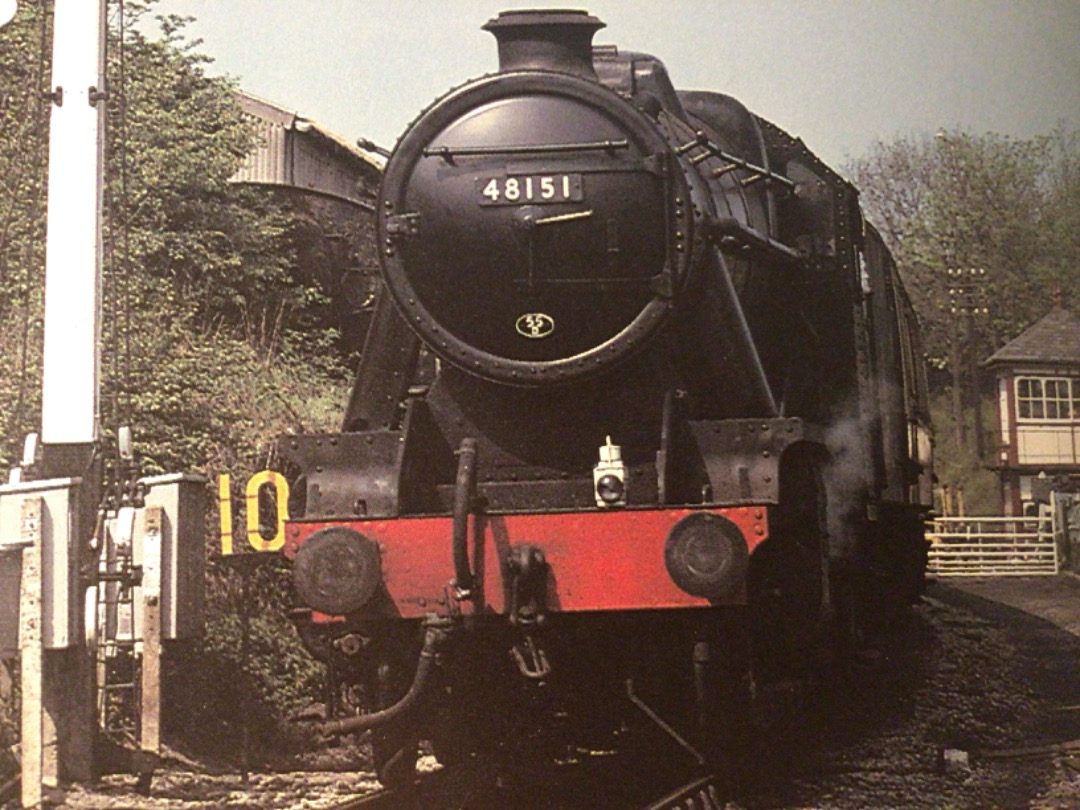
{"x":789,"y":576}
{"x":452,"y":741}
{"x":724,"y":699}
{"x":395,"y":746}
{"x":394,"y":755}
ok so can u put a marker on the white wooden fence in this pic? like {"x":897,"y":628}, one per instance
{"x":991,"y":546}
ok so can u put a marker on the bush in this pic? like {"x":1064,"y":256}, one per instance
{"x":229,"y":696}
{"x":962,"y":469}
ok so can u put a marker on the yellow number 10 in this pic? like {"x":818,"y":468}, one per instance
{"x":266,"y":478}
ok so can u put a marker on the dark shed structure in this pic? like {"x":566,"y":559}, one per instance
{"x":335,"y":184}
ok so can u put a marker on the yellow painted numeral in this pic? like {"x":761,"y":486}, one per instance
{"x":225,"y":512}
{"x":255,"y":484}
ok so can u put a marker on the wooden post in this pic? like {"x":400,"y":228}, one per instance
{"x":34,"y":729}
{"x":150,"y":710}
{"x":41,"y":519}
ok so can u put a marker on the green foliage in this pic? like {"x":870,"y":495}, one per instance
{"x":964,"y":469}
{"x":1002,"y":213}
{"x":963,"y":201}
{"x":209,"y":401}
{"x":214,"y":332}
{"x":1061,"y":219}
{"x":238,"y":686}
{"x":9,"y":718}
{"x":205,"y":277}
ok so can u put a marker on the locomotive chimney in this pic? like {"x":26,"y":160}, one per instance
{"x":546,"y":40}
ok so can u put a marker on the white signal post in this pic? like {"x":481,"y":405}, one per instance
{"x":69,"y":410}
{"x":57,"y":677}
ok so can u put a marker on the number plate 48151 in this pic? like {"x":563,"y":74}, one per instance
{"x":530,"y":188}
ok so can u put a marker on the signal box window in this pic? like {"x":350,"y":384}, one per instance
{"x":1047,"y":399}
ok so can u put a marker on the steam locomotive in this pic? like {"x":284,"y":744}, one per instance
{"x":639,"y":422}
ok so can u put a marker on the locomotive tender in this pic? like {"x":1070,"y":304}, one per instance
{"x":641,"y":403}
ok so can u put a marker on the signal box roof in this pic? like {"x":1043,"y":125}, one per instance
{"x":1054,"y":339}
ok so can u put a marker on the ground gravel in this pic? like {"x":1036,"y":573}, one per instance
{"x":969,"y":679}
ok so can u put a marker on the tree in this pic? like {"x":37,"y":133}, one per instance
{"x":199,"y":265}
{"x":187,"y":253}
{"x":961,"y":202}
{"x":211,"y":350}
{"x":1060,"y":252}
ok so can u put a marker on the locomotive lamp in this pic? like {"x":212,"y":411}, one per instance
{"x":609,"y":476}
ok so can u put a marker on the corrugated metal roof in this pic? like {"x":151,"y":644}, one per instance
{"x":277,"y":160}
{"x":290,"y":119}
{"x":266,"y":110}
{"x":1054,"y":338}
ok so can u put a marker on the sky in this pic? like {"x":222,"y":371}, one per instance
{"x":841,"y":74}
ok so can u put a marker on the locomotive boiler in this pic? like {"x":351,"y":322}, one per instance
{"x":639,"y":422}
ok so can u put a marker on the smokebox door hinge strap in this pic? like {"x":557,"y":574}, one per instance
{"x":401,"y":225}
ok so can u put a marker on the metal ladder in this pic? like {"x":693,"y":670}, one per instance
{"x":118,"y":654}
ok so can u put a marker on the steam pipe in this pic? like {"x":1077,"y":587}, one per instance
{"x":724,"y":302}
{"x":723,"y":227}
{"x":464,"y":494}
{"x":434,"y":636}
{"x":385,"y":370}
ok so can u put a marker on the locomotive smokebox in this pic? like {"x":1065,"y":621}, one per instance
{"x":546,"y":40}
{"x":534,"y":227}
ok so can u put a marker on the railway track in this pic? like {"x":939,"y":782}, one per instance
{"x":454,"y":789}
{"x":968,"y":675}
{"x":878,"y":747}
